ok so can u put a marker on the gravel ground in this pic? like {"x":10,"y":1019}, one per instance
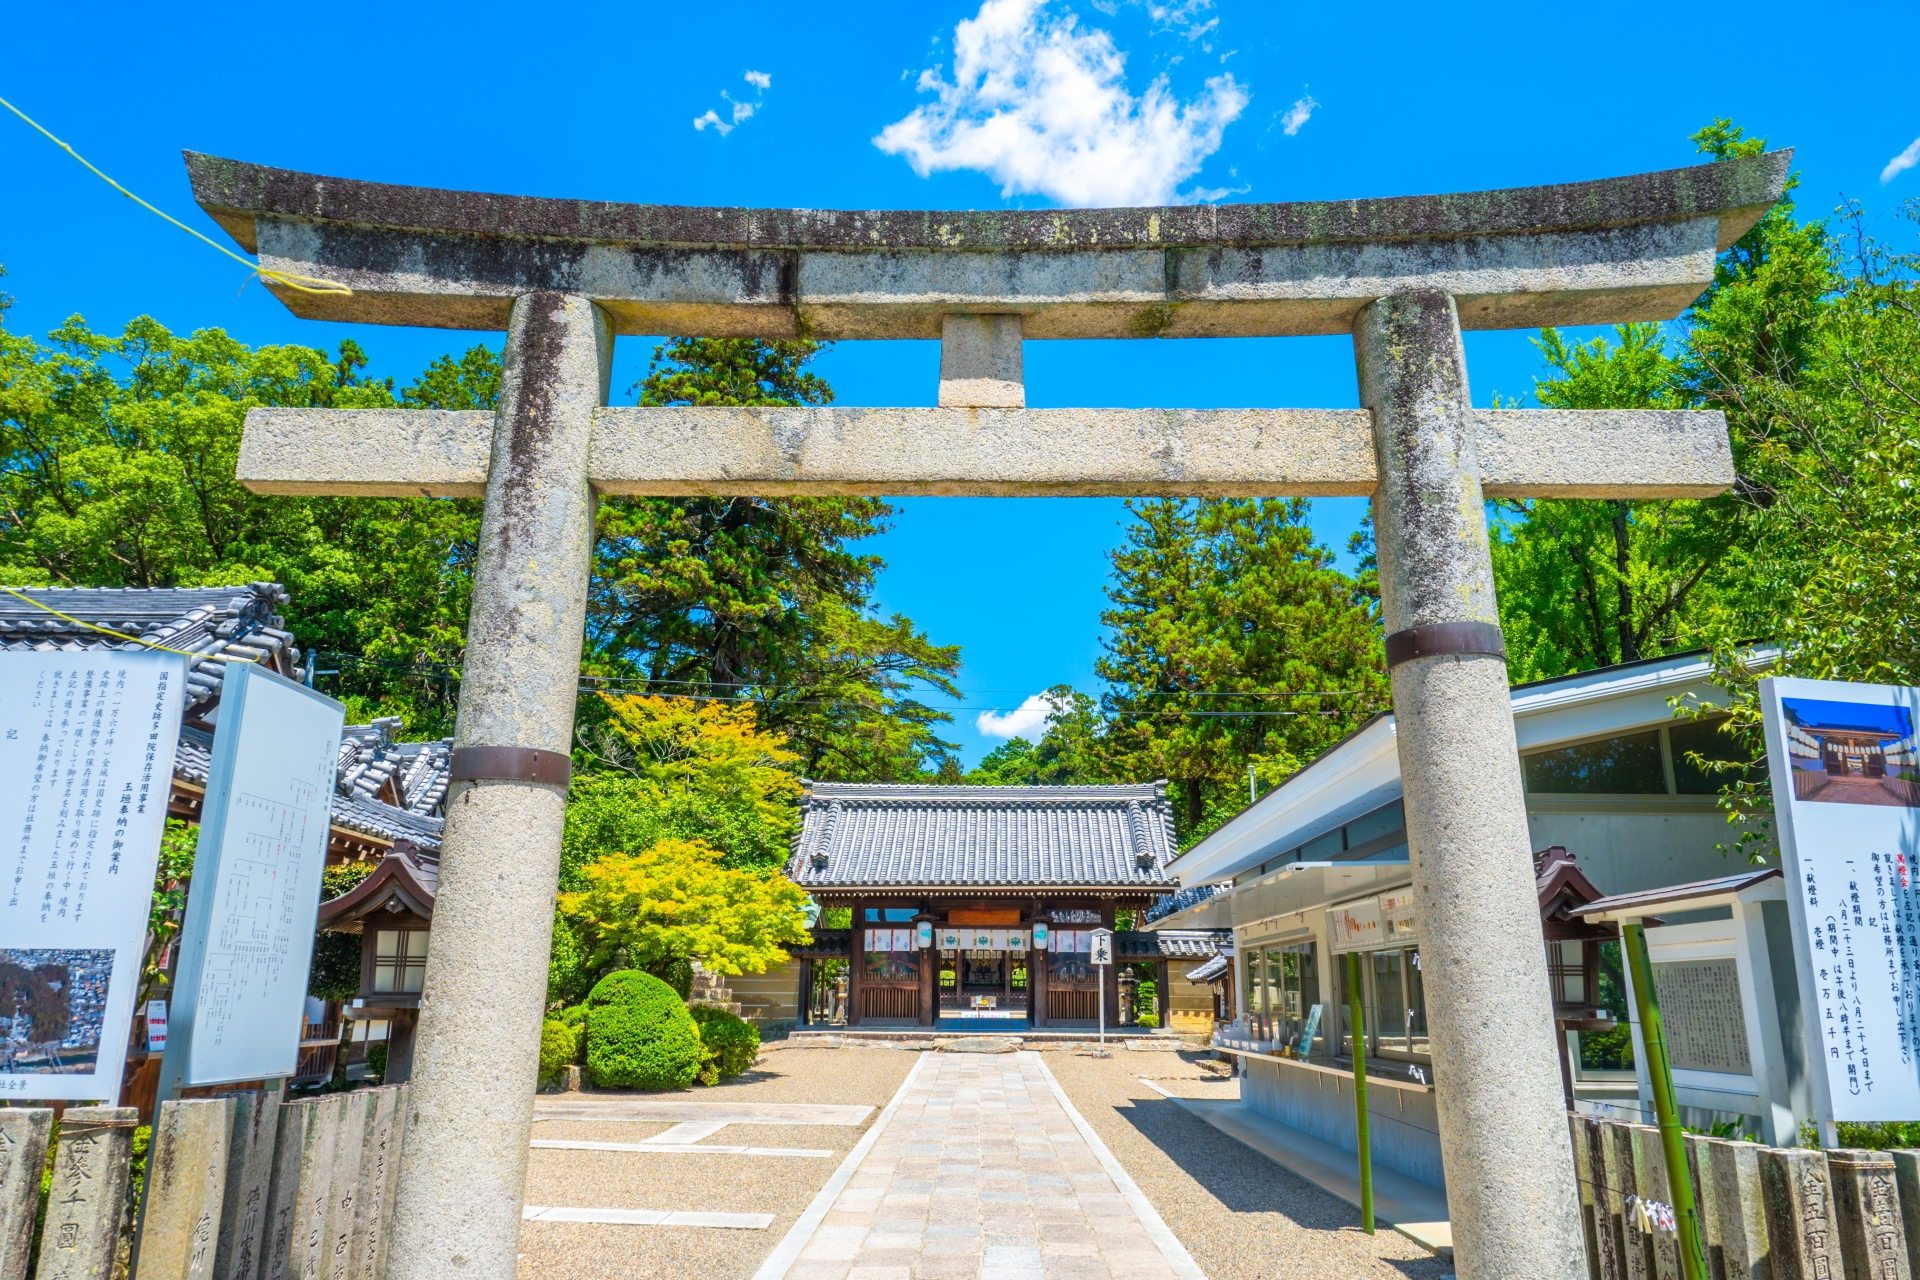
{"x":1240,"y":1215}
{"x":782,"y":1186}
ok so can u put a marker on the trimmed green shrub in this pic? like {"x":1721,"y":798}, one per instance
{"x":639,"y":1034}
{"x":377,"y":1062}
{"x":1146,"y":1021}
{"x":575,"y":1016}
{"x":559,"y":1045}
{"x":731,"y":1044}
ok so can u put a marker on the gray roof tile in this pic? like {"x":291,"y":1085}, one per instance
{"x":861,"y":834}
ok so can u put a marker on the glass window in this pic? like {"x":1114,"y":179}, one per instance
{"x":400,"y":960}
{"x":1393,"y":1001}
{"x":1372,"y":826}
{"x":1343,"y":998}
{"x":1703,"y":738}
{"x":1298,"y":989}
{"x":1323,"y":848}
{"x":1627,"y":765}
{"x":1388,"y":1011}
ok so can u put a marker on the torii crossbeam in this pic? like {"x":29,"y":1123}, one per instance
{"x":1403,"y":276}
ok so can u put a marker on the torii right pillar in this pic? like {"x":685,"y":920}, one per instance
{"x":1510,"y":1179}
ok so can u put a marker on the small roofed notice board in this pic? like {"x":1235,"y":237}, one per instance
{"x":86,"y":764}
{"x":240,"y":992}
{"x":1846,"y":788}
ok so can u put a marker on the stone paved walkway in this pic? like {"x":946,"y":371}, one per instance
{"x":985,"y":1171}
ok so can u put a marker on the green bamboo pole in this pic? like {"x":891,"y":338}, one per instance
{"x":1693,"y":1261}
{"x":1363,"y":1142}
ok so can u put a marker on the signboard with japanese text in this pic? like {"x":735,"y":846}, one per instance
{"x":1846,"y":789}
{"x":86,"y":764}
{"x":1100,"y":947}
{"x":241,"y":987}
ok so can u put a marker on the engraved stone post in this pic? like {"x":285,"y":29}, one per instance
{"x":87,"y":1203}
{"x":376,"y":1196}
{"x":477,"y":1053}
{"x":1610,"y":1255}
{"x":1742,"y":1213}
{"x":243,"y":1216}
{"x":1509,"y":1162}
{"x":23,"y":1153}
{"x":1802,"y":1231}
{"x":1591,"y":1213}
{"x":346,"y":1186}
{"x":1700,"y":1173}
{"x":1867,"y":1204}
{"x":302,"y":1170}
{"x":1622,"y":1182}
{"x":1906,"y":1176}
{"x":186,"y":1189}
{"x":296,"y":1127}
{"x":1650,"y":1176}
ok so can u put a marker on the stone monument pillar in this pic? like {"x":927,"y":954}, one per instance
{"x":1503,"y":1131}
{"x":477,"y":1049}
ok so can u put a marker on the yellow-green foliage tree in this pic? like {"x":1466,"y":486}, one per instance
{"x":685,"y":768}
{"x":677,"y":902}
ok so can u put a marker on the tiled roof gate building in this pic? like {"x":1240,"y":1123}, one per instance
{"x":969,"y":904}
{"x":1404,"y":277}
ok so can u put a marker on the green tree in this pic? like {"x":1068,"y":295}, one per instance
{"x":117,"y":460}
{"x":1068,"y":753}
{"x":676,"y":902}
{"x":1830,"y":473}
{"x":1234,"y":643}
{"x":1586,"y":584}
{"x":766,"y":598}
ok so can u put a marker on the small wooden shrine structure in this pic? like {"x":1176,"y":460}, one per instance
{"x":973,"y":907}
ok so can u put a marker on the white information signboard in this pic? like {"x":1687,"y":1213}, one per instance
{"x":240,"y":990}
{"x":86,"y":762}
{"x":1846,"y":793}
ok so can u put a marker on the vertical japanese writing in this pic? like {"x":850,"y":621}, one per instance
{"x":43,"y":707}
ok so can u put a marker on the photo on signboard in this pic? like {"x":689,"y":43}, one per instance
{"x":53,"y":1005}
{"x":1851,"y":752}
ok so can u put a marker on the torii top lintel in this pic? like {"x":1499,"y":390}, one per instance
{"x":1609,"y":251}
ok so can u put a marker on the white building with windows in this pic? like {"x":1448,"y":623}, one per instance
{"x":1625,"y":826}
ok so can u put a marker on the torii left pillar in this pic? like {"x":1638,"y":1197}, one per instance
{"x":477,"y":1054}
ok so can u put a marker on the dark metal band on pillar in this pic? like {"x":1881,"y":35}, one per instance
{"x":1445,"y":637}
{"x":510,"y":764}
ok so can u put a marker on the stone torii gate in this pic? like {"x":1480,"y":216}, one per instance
{"x":1403,"y":276}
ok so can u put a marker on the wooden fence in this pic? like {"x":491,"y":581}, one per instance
{"x":241,"y":1187}
{"x":890,"y":1002}
{"x":1788,"y":1214}
{"x":1072,"y":1006}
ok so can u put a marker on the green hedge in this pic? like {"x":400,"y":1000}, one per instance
{"x":559,"y":1045}
{"x":731,"y":1045}
{"x":639,"y":1034}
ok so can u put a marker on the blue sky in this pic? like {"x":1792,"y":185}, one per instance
{"x":886,"y":106}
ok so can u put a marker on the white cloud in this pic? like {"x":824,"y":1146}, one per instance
{"x":740,"y":111}
{"x":1297,"y":115}
{"x":1041,"y":106}
{"x":1025,"y":720}
{"x":1901,"y":163}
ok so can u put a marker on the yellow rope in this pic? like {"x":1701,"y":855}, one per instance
{"x":224,"y":657}
{"x":305,"y":284}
